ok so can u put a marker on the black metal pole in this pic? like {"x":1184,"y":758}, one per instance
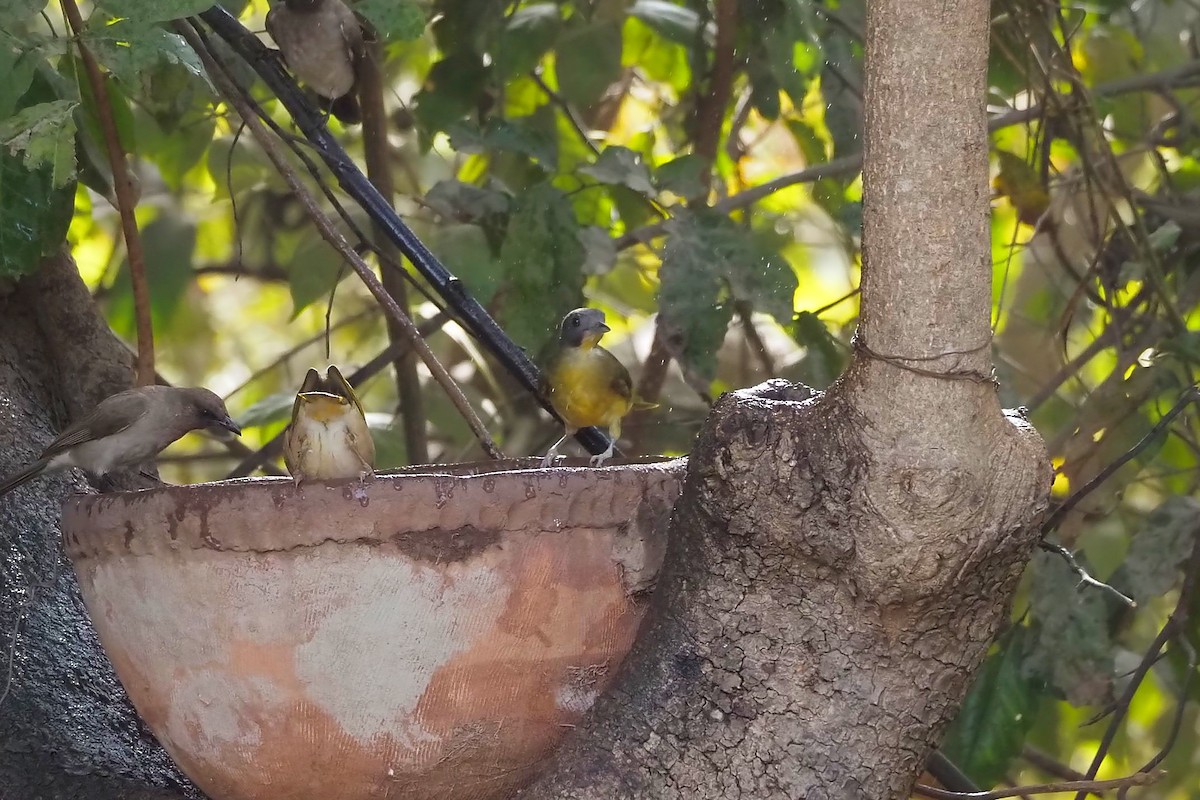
{"x":473,"y":316}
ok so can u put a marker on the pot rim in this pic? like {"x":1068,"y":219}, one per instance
{"x":447,"y":507}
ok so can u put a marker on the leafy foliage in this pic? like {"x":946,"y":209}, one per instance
{"x":999,"y":710}
{"x":546,"y":152}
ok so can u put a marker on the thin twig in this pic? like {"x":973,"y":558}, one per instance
{"x":126,"y":202}
{"x":1084,"y":577}
{"x":1050,"y":765}
{"x":710,"y":111}
{"x":330,"y":233}
{"x":379,"y":172}
{"x":1175,"y":624}
{"x":1136,"y":779}
{"x":565,"y":107}
{"x":1184,"y":75}
{"x":754,"y":338}
{"x":1189,"y":396}
{"x":469,"y":312}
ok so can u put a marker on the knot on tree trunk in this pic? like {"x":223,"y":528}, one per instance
{"x":809,"y":637}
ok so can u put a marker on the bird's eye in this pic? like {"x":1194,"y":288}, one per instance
{"x":575,"y":322}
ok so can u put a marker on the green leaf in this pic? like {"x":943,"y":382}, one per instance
{"x":684,"y":176}
{"x":1164,"y":237}
{"x":622,"y":167}
{"x":148,"y":12}
{"x":18,"y":69}
{"x":1156,"y":552}
{"x":169,"y":247}
{"x":313,"y":271}
{"x":600,"y":251}
{"x":465,"y":251}
{"x":36,"y":215}
{"x":527,"y":35}
{"x":512,"y":135}
{"x":997,"y":713}
{"x":271,"y":409}
{"x":89,"y":117}
{"x":14,"y":10}
{"x":709,"y":262}
{"x":43,"y":135}
{"x":463,"y":202}
{"x":393,"y":20}
{"x":764,"y":89}
{"x":693,"y":301}
{"x":588,"y":60}
{"x":543,"y":260}
{"x":130,"y":50}
{"x":823,"y":358}
{"x":1072,"y":651}
{"x":451,"y":91}
{"x":671,"y":21}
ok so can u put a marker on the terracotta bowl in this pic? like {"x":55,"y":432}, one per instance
{"x":422,"y":636}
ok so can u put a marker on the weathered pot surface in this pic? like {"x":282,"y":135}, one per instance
{"x":420,"y":636}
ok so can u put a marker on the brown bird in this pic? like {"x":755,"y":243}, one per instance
{"x":322,"y":43}
{"x":127,"y":429}
{"x":328,"y":438}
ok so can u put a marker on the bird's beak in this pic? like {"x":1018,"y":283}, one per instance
{"x":231,"y":426}
{"x":602,"y":327}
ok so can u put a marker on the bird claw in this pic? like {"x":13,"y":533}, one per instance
{"x":598,"y":461}
{"x":548,"y":460}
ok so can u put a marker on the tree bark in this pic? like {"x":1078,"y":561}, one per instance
{"x":67,"y":729}
{"x":839,"y":563}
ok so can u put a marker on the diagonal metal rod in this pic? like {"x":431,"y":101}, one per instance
{"x":470,"y":313}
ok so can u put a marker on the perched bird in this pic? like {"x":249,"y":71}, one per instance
{"x":322,"y":43}
{"x":127,"y":429}
{"x":585,"y":383}
{"x":328,"y":437}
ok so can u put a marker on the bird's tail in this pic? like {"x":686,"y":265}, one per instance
{"x":346,"y":109}
{"x":22,"y":477}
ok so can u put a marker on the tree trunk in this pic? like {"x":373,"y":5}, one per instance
{"x":839,"y":564}
{"x":67,"y":729}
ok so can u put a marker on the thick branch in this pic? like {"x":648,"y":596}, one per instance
{"x":126,"y":201}
{"x":328,"y":232}
{"x":379,"y":171}
{"x":473,"y":316}
{"x":926,"y":242}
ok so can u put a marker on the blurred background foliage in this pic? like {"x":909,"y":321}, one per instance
{"x":689,"y":168}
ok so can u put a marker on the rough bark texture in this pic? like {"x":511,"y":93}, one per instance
{"x":66,"y":727}
{"x":838,"y":564}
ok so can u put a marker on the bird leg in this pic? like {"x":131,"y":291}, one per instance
{"x":553,"y":453}
{"x":598,"y":461}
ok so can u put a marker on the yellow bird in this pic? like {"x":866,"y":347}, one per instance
{"x":328,"y":438}
{"x":586,"y":384}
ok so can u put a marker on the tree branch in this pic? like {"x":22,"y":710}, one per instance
{"x":379,"y":172}
{"x":1185,"y":75}
{"x":330,"y":233}
{"x":926,"y":243}
{"x":473,"y":316}
{"x":1136,"y":779}
{"x":1175,"y":624}
{"x":126,"y":201}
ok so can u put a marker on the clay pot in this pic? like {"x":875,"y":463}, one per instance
{"x":422,"y":636}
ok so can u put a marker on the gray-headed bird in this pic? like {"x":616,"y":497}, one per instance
{"x":585,"y":383}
